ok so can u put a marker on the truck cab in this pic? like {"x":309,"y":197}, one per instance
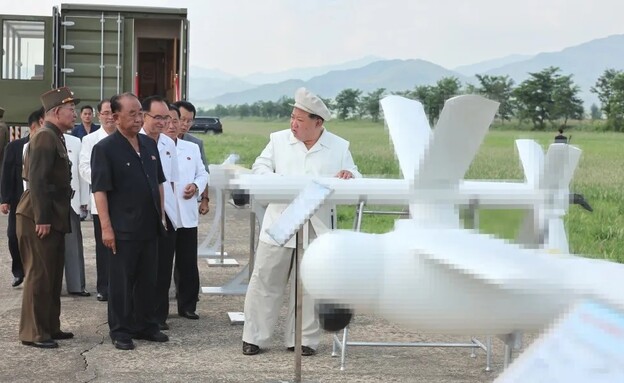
{"x":96,"y":50}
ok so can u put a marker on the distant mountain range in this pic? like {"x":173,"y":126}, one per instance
{"x":586,"y":62}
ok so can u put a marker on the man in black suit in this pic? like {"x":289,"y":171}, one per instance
{"x":127,"y":181}
{"x":11,"y":189}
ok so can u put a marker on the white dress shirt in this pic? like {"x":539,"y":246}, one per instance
{"x":78,"y":185}
{"x":84,"y":161}
{"x":169,"y":162}
{"x":191,"y":170}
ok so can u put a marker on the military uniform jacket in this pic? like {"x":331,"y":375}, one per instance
{"x":131,"y":181}
{"x":47,"y":171}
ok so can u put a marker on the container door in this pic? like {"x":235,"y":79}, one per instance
{"x":91,"y":50}
{"x":25,"y":64}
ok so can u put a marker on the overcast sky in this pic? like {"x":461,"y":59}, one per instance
{"x":247,"y":36}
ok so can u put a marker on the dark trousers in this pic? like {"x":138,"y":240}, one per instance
{"x":16,"y":260}
{"x":74,"y":256}
{"x":166,"y":249}
{"x":186,"y":264}
{"x":41,"y":299}
{"x":131,"y":286}
{"x":102,"y":255}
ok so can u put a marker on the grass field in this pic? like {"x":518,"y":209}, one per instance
{"x":600,"y":176}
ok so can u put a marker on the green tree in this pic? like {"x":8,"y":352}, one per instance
{"x":434,"y":97}
{"x":500,"y":89}
{"x":220,"y":111}
{"x":369,"y":104}
{"x":595,"y":112}
{"x":426,"y":94}
{"x":347,"y":102}
{"x":567,"y":103}
{"x":610,"y":91}
{"x":535,"y":97}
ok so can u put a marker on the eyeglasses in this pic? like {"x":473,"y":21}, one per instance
{"x":159,"y":118}
{"x":107,"y":113}
{"x":73,"y":109}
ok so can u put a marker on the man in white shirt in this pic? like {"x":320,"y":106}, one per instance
{"x":307,"y":148}
{"x":74,"y":251}
{"x":105,"y":116}
{"x":156,"y":119}
{"x":192,"y":178}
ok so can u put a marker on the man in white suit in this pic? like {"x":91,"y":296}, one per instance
{"x":105,"y":116}
{"x":307,"y":148}
{"x":155,"y":122}
{"x":192,"y":179}
{"x":74,"y":251}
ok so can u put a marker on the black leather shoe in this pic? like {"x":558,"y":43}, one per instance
{"x":124,"y":344}
{"x":101,"y":297}
{"x":250,"y":349}
{"x":82,"y":293}
{"x":49,"y":343}
{"x":156,"y":337}
{"x":188,"y":314}
{"x":163,"y":326}
{"x":63,"y":335}
{"x":305,"y":350}
{"x":17,"y":281}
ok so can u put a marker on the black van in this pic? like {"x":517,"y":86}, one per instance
{"x":207,"y":125}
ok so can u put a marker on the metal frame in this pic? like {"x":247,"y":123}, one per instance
{"x":238,"y":284}
{"x":473,"y":344}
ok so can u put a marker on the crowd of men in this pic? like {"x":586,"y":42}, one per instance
{"x":144,"y":181}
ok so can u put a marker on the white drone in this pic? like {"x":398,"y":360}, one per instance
{"x":429,"y":273}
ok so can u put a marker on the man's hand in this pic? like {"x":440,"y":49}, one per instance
{"x":189,"y":191}
{"x":203,"y":207}
{"x":108,"y":238}
{"x":344,"y":174}
{"x":4,"y":208}
{"x":42,"y":230}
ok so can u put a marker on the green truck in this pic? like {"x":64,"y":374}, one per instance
{"x":96,"y":50}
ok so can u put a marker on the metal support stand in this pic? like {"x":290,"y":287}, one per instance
{"x":473,"y":344}
{"x":298,"y":304}
{"x":221,"y":261}
{"x":512,"y":342}
{"x":238,"y":284}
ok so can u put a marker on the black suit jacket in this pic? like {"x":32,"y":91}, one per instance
{"x":131,"y":183}
{"x":11,"y":185}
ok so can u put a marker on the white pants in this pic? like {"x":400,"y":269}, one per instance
{"x":264,"y":298}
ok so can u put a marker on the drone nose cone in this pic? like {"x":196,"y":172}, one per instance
{"x":343,"y":267}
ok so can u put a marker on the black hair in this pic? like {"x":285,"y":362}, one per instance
{"x":36,"y":116}
{"x":114,"y":101}
{"x":315,"y":117}
{"x":186,"y":105}
{"x":173,"y":107}
{"x":148,"y":101}
{"x":86,"y":107}
{"x":99,"y":105}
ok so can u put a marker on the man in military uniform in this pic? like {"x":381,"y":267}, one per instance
{"x":43,"y":220}
{"x":11,"y":189}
